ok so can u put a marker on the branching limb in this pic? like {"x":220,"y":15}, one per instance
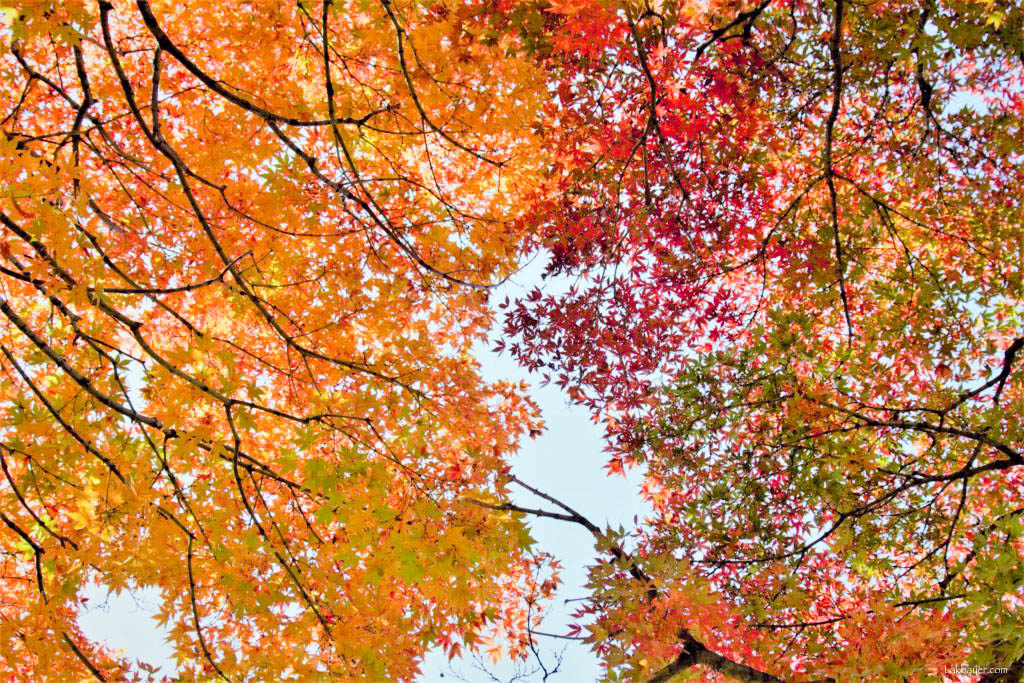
{"x":694,"y":652}
{"x":830,"y":124}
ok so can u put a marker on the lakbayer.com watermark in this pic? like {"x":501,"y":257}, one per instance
{"x":973,"y":670}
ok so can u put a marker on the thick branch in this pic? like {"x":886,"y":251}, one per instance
{"x":830,"y":124}
{"x":165,"y":42}
{"x":696,"y":653}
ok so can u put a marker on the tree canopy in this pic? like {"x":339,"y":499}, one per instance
{"x":247,"y":249}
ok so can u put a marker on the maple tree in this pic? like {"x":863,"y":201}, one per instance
{"x":247,"y":249}
{"x":793,"y":237}
{"x":245,"y":255}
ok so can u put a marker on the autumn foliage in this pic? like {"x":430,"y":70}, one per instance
{"x":242,"y":268}
{"x":247,"y":248}
{"x":796,"y":235}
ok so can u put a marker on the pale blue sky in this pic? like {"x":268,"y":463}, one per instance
{"x":565,"y":462}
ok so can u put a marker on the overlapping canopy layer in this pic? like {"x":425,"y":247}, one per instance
{"x":246,"y":250}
